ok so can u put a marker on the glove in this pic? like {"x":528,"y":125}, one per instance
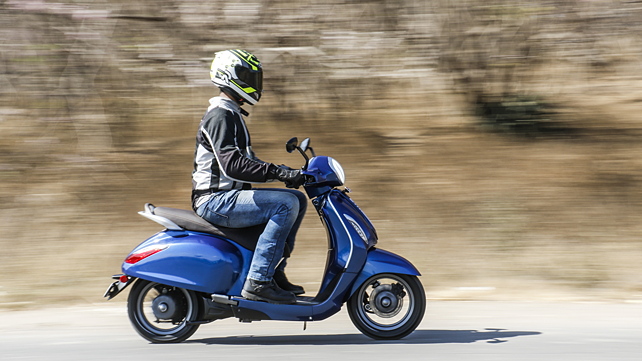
{"x":285,"y":167}
{"x":291,"y":177}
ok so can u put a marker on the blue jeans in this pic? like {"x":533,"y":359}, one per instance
{"x":281,"y":209}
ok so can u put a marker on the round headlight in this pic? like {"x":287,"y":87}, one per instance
{"x":337,"y":169}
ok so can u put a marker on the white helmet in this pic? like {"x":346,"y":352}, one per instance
{"x":240,"y":72}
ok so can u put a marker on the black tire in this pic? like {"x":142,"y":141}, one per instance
{"x":388,"y":306}
{"x":161,"y":313}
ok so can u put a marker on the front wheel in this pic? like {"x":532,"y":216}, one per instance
{"x":388,"y":306}
{"x":161,"y":313}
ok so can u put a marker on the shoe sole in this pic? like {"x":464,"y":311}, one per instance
{"x":253,"y":297}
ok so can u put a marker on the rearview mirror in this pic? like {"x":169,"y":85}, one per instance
{"x":291,"y":144}
{"x":305,"y":144}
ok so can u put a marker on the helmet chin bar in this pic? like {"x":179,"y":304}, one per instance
{"x":235,"y":95}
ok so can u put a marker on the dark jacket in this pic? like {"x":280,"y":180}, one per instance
{"x":223,"y":158}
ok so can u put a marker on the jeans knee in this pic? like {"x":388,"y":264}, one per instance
{"x":289,"y":204}
{"x":292,"y":202}
{"x":302,"y":200}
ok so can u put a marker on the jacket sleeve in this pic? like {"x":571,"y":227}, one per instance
{"x":220,"y":131}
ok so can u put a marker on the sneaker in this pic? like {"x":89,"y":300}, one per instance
{"x":282,"y":281}
{"x":266,"y":291}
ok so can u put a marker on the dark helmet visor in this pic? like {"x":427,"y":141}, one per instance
{"x":251,"y":78}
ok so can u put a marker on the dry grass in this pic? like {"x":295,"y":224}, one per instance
{"x":483,"y":212}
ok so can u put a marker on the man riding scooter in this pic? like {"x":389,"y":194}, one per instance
{"x":224,"y":168}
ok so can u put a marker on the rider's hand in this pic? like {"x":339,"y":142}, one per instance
{"x":291,"y":177}
{"x":283,"y":166}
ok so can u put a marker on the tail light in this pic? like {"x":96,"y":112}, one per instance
{"x":143,"y":253}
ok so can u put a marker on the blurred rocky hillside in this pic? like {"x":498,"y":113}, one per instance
{"x":494,"y":143}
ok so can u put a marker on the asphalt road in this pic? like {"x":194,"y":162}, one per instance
{"x":515,"y":331}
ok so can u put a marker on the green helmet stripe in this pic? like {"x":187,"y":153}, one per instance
{"x":248,"y":90}
{"x":248,"y":58}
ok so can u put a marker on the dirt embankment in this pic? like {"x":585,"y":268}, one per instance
{"x":497,"y":146}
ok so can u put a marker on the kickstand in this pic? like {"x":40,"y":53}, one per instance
{"x":305,"y":325}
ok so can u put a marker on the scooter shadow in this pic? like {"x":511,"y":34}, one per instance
{"x":417,"y":337}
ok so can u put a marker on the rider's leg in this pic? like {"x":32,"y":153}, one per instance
{"x":246,"y":208}
{"x":279,"y":275}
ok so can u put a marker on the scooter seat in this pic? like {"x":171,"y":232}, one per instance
{"x":246,"y":237}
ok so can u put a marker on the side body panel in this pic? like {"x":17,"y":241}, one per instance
{"x":192,"y":260}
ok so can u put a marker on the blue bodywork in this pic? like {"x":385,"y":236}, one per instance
{"x":215,"y":265}
{"x":197,"y":261}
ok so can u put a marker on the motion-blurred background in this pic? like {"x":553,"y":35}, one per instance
{"x":496,"y":144}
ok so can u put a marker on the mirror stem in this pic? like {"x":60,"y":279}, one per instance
{"x":307,"y":160}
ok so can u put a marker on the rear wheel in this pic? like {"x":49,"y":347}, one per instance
{"x":388,"y":306}
{"x":161,"y":313}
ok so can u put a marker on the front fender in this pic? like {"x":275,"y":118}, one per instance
{"x":379,"y":261}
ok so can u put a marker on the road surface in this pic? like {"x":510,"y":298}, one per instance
{"x":515,"y":331}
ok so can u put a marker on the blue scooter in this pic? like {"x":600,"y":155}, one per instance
{"x":192,"y":273}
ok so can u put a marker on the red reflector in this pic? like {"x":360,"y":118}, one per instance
{"x":137,"y":257}
{"x":124,"y":279}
